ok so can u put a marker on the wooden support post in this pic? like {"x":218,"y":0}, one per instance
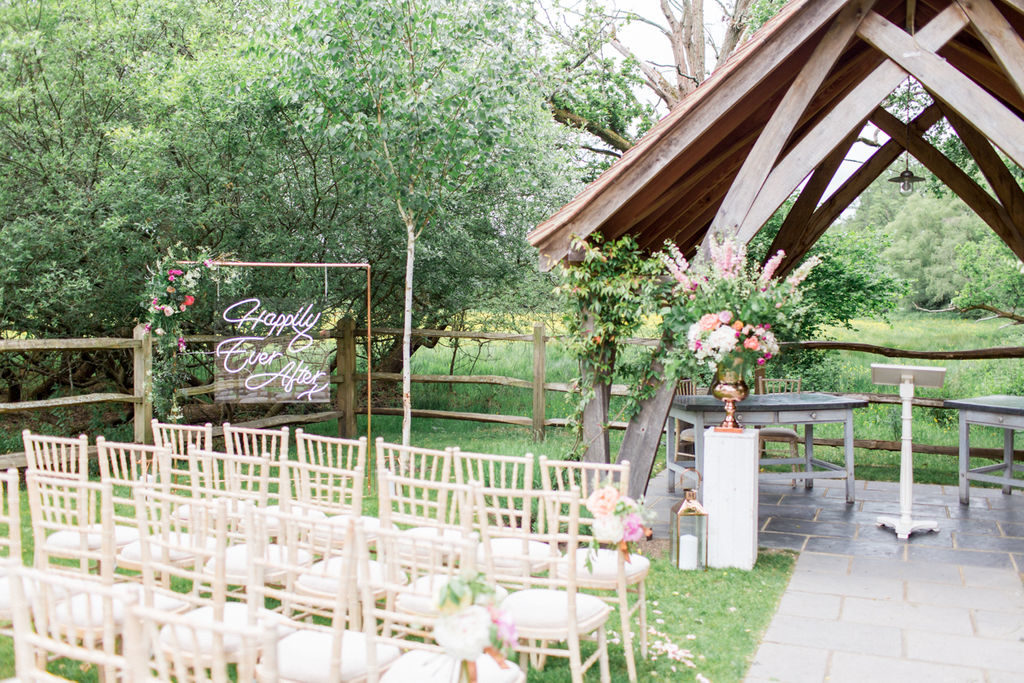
{"x":345,"y":365}
{"x":142,"y":357}
{"x":539,"y":378}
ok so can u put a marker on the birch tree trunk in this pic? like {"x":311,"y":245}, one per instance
{"x":410,"y":258}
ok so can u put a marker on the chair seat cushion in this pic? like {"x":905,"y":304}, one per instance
{"x":177,"y":544}
{"x":70,"y":539}
{"x":306,"y":656}
{"x":332,"y":530}
{"x":235,"y":614}
{"x":85,"y":610}
{"x":543,"y":609}
{"x":273,"y":521}
{"x":437,"y":667}
{"x":237,"y":561}
{"x":421,"y":596}
{"x":778,"y":434}
{"x":512,"y":553}
{"x":322,"y":577}
{"x":605,"y":566}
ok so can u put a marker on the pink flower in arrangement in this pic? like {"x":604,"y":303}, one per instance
{"x":751,"y":343}
{"x":709,"y":321}
{"x":189,"y":299}
{"x":181,"y":343}
{"x":725,"y":317}
{"x":602,"y":501}
{"x":761,"y":361}
{"x":168,"y":311}
{"x":772,"y":266}
{"x":208,"y":263}
{"x":632,"y":528}
{"x":148,"y":327}
{"x":505,"y":628}
{"x":170,"y":278}
{"x":182,"y":307}
{"x":156,"y":303}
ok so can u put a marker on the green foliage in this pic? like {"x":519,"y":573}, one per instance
{"x":992,"y":276}
{"x":760,"y":11}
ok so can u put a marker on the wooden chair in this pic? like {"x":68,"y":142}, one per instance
{"x":179,"y":438}
{"x":43,"y":632}
{"x":269,"y":443}
{"x":427,"y":464}
{"x":72,"y":524}
{"x":779,"y":435}
{"x":10,"y":541}
{"x":550,"y":608}
{"x":423,"y":507}
{"x":685,"y":448}
{"x":56,"y":454}
{"x":170,"y":648}
{"x":610,"y":573}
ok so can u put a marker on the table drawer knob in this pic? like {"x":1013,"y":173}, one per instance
{"x":1000,"y":420}
{"x":814,"y":416}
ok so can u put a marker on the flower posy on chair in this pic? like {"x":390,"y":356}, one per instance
{"x":471,"y":624}
{"x":618,"y":520}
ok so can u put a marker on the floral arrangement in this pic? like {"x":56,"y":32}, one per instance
{"x":736,"y":304}
{"x":172,"y":292}
{"x":471,"y":624}
{"x":618,"y":520}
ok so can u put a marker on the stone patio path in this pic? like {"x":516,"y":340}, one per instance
{"x":865,"y":606}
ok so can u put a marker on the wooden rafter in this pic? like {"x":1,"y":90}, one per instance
{"x":982,"y":203}
{"x":805,"y":204}
{"x":850,"y":114}
{"x":1000,"y":39}
{"x":781,"y":125}
{"x":1002,"y":182}
{"x":983,"y":70}
{"x":965,"y":96}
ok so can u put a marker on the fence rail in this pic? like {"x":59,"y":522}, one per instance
{"x":345,"y":380}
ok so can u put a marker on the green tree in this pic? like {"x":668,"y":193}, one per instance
{"x":428,"y":99}
{"x":993,"y":279}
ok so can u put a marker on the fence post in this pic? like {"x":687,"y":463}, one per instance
{"x":345,"y":364}
{"x":539,"y":378}
{"x":142,"y":357}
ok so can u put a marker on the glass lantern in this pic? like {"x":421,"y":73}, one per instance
{"x":689,"y":542}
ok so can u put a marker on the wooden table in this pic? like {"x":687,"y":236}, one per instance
{"x":1005,"y":412}
{"x":807,"y":409}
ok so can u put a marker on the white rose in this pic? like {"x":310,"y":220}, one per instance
{"x":608,"y":529}
{"x":465,"y":634}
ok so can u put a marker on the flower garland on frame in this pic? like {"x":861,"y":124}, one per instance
{"x":174,"y":287}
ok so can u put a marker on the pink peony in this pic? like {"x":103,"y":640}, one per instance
{"x":751,"y":343}
{"x":725,"y":317}
{"x":505,"y":628}
{"x":602,"y":501}
{"x":760,"y":361}
{"x":632,"y":528}
{"x":708,"y":322}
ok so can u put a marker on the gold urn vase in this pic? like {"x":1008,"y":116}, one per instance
{"x":730,"y":387}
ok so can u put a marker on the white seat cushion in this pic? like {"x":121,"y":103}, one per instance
{"x":177,"y":544}
{"x":420,"y":597}
{"x":85,"y":610}
{"x":510,"y":553}
{"x":606,"y":566}
{"x":543,"y":608}
{"x":778,"y":433}
{"x":236,"y":562}
{"x":333,"y":533}
{"x":323,"y":576}
{"x":437,"y":667}
{"x":305,"y":656}
{"x":70,"y":539}
{"x":295,"y":509}
{"x":235,"y":614}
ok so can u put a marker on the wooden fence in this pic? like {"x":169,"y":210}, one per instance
{"x":345,"y":379}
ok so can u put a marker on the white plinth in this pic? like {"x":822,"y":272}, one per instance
{"x":730,"y":497}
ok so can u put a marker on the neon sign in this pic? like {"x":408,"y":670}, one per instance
{"x":273,"y":358}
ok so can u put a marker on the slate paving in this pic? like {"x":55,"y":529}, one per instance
{"x":863,"y":605}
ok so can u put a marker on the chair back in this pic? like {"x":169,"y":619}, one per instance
{"x":438,"y":505}
{"x":57,"y":454}
{"x":268,"y":443}
{"x":72,"y":524}
{"x":415,"y":463}
{"x":501,"y":471}
{"x":686,"y":387}
{"x":328,"y":474}
{"x":42,"y":631}
{"x":242,"y":478}
{"x":10,"y":515}
{"x":180,"y":437}
{"x":778,"y":385}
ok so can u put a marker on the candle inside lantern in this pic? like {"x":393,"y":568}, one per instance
{"x":687,"y":552}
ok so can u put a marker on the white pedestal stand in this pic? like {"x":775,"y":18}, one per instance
{"x":730,"y":497}
{"x":904,"y":525}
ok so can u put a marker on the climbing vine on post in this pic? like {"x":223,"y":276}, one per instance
{"x":610,"y":291}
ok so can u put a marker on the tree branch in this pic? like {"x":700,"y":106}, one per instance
{"x":568,"y":118}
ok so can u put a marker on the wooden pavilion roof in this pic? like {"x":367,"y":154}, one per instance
{"x":789,"y":104}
